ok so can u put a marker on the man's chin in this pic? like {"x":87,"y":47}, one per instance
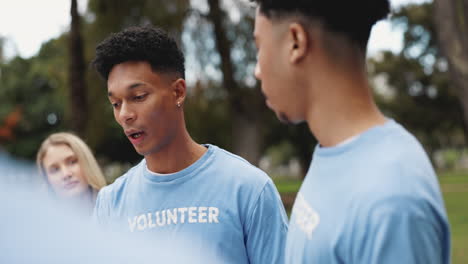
{"x":148,"y":151}
{"x":140,"y":152}
{"x":283,"y":118}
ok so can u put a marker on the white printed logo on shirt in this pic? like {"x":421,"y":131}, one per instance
{"x":306,"y":218}
{"x":174,"y":216}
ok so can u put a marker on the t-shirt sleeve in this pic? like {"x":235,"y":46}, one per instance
{"x":101,"y":211}
{"x":401,"y":230}
{"x":267,"y":228}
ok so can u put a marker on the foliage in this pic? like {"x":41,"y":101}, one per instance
{"x":39,"y":84}
{"x":245,"y":99}
{"x":206,"y":115}
{"x":411,"y":86}
{"x":35,"y":86}
{"x":414,"y":85}
{"x":2,"y":43}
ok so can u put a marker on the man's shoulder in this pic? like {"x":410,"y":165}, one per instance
{"x":396,"y":156}
{"x":231,"y":159}
{"x":232,"y":163}
{"x":401,"y":141}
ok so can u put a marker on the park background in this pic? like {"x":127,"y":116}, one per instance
{"x":418,"y":67}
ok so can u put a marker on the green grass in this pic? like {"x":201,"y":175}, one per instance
{"x":454,"y":186}
{"x":453,"y":177}
{"x":287,"y":186}
{"x":455,"y":190}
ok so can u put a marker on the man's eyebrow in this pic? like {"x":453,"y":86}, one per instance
{"x":130,"y":87}
{"x":135,"y":85}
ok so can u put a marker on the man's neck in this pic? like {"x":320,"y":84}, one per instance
{"x":345,"y":108}
{"x":180,"y":153}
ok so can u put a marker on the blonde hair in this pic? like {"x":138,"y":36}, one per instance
{"x":89,"y":166}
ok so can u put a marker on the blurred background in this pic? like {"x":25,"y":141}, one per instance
{"x":418,"y":66}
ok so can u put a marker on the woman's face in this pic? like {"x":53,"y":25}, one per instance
{"x":64,"y":172}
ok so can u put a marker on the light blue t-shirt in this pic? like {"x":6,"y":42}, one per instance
{"x":229,"y":210}
{"x":375,"y":199}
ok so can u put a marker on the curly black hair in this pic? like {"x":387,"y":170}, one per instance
{"x":352,"y":18}
{"x":149,"y":44}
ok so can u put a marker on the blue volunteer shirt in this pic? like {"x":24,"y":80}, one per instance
{"x":229,"y":210}
{"x":375,"y":199}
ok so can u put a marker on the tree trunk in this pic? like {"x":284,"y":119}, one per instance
{"x":78,"y":93}
{"x":246,"y":122}
{"x":224,"y":47}
{"x":2,"y":41}
{"x":451,"y":21}
{"x":247,"y":139}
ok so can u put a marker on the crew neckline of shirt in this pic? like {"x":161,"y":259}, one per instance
{"x":348,"y":140}
{"x":347,"y":145}
{"x":190,"y":170}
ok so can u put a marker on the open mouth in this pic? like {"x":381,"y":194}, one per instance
{"x":136,"y":135}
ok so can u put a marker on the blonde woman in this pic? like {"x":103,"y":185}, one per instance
{"x":69,"y":169}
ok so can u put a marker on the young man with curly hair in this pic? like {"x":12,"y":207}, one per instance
{"x":371,"y":194}
{"x":227,"y":208}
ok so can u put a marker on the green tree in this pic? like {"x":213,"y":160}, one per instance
{"x":220,"y":35}
{"x":2,"y":43}
{"x":36,"y":87}
{"x":244,"y":102}
{"x":207,"y":114}
{"x":451,"y":21}
{"x":213,"y":112}
{"x":78,"y":91}
{"x":413,"y":86}
{"x":40,"y":85}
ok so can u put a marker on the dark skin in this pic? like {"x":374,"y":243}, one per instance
{"x":149,"y":107}
{"x":303,"y":83}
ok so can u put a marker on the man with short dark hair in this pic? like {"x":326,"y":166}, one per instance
{"x":371,"y":194}
{"x":228,"y":209}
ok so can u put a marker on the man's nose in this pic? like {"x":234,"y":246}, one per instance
{"x":257,"y":71}
{"x":126,"y":114}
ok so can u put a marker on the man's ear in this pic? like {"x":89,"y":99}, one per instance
{"x":299,"y":42}
{"x":179,"y":90}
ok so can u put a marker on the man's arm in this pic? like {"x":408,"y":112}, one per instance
{"x":266,"y":228}
{"x":402,"y":230}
